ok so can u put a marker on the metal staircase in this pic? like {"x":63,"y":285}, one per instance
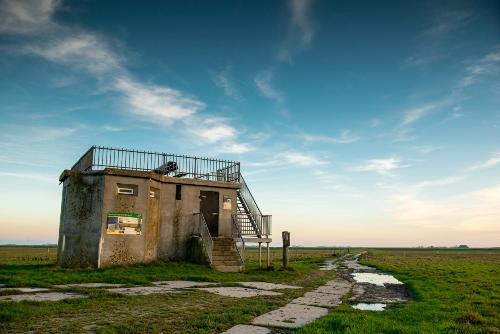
{"x":252,"y":223}
{"x":249,"y":225}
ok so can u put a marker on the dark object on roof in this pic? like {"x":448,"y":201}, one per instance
{"x":164,"y":169}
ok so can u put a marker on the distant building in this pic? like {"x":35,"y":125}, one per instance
{"x":123,"y":207}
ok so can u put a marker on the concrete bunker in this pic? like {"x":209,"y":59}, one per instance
{"x":124,"y":207}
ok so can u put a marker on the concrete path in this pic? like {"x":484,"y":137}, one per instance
{"x":371,"y":291}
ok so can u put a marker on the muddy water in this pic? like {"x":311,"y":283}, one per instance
{"x":372,"y":289}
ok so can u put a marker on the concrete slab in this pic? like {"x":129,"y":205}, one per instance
{"x":319,"y":299}
{"x":237,"y":292}
{"x":291,"y":316}
{"x":25,"y":290}
{"x":143,"y":290}
{"x":338,"y":284}
{"x":88,"y":285}
{"x":267,"y":286}
{"x":247,"y":329}
{"x":183,"y":284}
{"x":42,"y":297}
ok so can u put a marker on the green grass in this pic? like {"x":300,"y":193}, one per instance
{"x":189,"y":312}
{"x":454,"y":291}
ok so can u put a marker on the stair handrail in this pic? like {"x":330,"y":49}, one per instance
{"x":251,"y":205}
{"x":203,"y":230}
{"x":238,"y":237}
{"x":248,"y":197}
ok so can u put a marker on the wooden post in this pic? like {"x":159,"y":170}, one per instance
{"x":286,"y":243}
{"x":260,"y":255}
{"x":268,"y":262}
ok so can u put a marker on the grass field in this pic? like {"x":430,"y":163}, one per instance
{"x":454,"y":291}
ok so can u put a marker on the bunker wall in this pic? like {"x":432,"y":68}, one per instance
{"x":80,"y":228}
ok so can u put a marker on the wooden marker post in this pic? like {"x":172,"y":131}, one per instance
{"x":286,"y":243}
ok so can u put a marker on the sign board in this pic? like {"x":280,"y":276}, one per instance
{"x":124,"y":223}
{"x":226,"y":202}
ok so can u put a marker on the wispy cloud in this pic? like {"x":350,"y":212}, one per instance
{"x":301,"y":159}
{"x":414,"y":114}
{"x":237,"y":148}
{"x":380,"y":166}
{"x":494,"y":160}
{"x":487,"y":66}
{"x":433,"y":41}
{"x":223,"y":79}
{"x":263,"y":81}
{"x":29,"y":16}
{"x":440,"y":182}
{"x":427,"y":148}
{"x":157,"y":103}
{"x":211,"y":129}
{"x":94,"y":55}
{"x":344,"y":137}
{"x":288,"y":158}
{"x":31,"y":176}
{"x":301,"y":29}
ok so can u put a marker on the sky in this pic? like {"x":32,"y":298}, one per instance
{"x":357,"y":123}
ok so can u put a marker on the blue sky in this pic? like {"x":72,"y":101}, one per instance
{"x":357,"y":123}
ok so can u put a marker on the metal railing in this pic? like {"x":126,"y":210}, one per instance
{"x":248,"y":199}
{"x":98,"y":158}
{"x":204,"y":232}
{"x":238,"y":239}
{"x":254,"y":225}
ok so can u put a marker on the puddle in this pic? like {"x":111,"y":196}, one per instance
{"x":369,"y":307}
{"x":328,"y":265}
{"x":376,"y":279}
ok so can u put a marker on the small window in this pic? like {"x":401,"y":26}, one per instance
{"x":126,"y":189}
{"x":178,"y":192}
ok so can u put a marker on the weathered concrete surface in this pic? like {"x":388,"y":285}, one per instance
{"x":328,"y":295}
{"x":42,"y":296}
{"x":143,"y":290}
{"x":319,"y":299}
{"x":267,"y":286}
{"x":291,"y":316}
{"x":88,"y":285}
{"x":167,"y":224}
{"x":25,"y":290}
{"x":247,"y":329}
{"x":80,"y":226}
{"x":240,"y":292}
{"x":182,"y":284}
